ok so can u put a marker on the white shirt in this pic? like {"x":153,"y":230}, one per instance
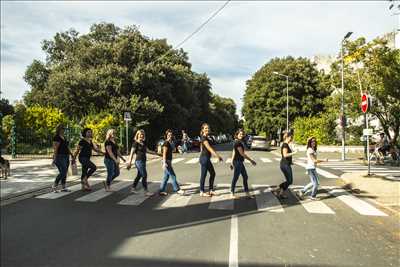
{"x":310,"y":162}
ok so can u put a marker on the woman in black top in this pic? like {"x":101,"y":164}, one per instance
{"x":61,"y":159}
{"x":139,"y":148}
{"x":238,"y":157}
{"x":111,"y":158}
{"x":84,"y":149}
{"x":167,"y":166}
{"x":285,"y":165}
{"x":206,"y":150}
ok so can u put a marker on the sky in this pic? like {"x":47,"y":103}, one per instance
{"x":230,"y":48}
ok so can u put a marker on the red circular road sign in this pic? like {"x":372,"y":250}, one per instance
{"x":364,"y":103}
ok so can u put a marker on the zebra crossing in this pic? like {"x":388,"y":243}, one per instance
{"x":347,"y":167}
{"x":265,"y":199}
{"x":215,"y":160}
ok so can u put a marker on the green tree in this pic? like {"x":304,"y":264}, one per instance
{"x":264,"y":106}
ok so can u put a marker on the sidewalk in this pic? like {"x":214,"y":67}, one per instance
{"x":38,"y":174}
{"x":382,"y":191}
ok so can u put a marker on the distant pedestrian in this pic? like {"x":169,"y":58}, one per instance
{"x":312,"y":161}
{"x":111,"y":159}
{"x":167,"y":166}
{"x":238,"y":157}
{"x":139,"y":147}
{"x":61,"y":159}
{"x":185,"y":142}
{"x":206,"y":150}
{"x":285,"y":165}
{"x":84,"y":149}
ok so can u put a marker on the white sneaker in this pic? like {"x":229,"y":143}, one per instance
{"x":181,"y":192}
{"x":314,"y":198}
{"x":203,"y":194}
{"x":148,"y":194}
{"x":133,"y":190}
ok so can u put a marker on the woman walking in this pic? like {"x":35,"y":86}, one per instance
{"x":84,"y":149}
{"x":312,"y":173}
{"x":111,"y":159}
{"x":238,"y":157}
{"x":167,"y":166}
{"x":61,"y":159}
{"x":285,"y":165}
{"x":139,"y":148}
{"x":206,"y":150}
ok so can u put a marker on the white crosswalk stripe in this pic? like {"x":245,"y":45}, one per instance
{"x":319,"y":170}
{"x":139,"y":197}
{"x":266,"y":160}
{"x":222,"y":201}
{"x":265,"y":200}
{"x":228,"y":160}
{"x":193,"y":161}
{"x":99,"y":194}
{"x":177,"y":160}
{"x":73,"y":189}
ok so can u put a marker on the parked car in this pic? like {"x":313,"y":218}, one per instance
{"x":259,"y":142}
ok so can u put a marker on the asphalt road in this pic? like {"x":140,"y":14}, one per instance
{"x":121,"y":229}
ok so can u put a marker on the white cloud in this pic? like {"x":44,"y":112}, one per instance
{"x":243,"y":37}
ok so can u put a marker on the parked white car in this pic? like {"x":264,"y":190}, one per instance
{"x":259,"y":142}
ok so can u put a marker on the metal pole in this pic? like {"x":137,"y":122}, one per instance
{"x":369,"y":160}
{"x":127,"y":141}
{"x":342,"y":107}
{"x":287,"y":103}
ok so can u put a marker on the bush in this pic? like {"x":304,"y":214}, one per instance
{"x":321,"y":127}
{"x":100,"y":123}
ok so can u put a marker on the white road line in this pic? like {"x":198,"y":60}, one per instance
{"x":52,"y":195}
{"x":228,"y":160}
{"x":319,"y":171}
{"x":358,"y":205}
{"x":222,"y":201}
{"x":267,"y":201}
{"x":193,"y":161}
{"x":99,"y":194}
{"x":316,"y":206}
{"x":233,"y":244}
{"x":139,"y":197}
{"x":175,"y":201}
{"x":265,"y":160}
{"x":177,"y":160}
{"x":277,"y":159}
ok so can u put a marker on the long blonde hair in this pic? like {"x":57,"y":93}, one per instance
{"x":109,"y":133}
{"x":138,"y":133}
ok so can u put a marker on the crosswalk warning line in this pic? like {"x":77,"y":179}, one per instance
{"x":193,"y":161}
{"x":177,"y":160}
{"x":316,"y":206}
{"x":234,"y":243}
{"x":222,"y":201}
{"x":356,"y":204}
{"x":267,"y":201}
{"x":139,"y":197}
{"x":99,"y":194}
{"x":266,"y":160}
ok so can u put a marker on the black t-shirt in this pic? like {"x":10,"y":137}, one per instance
{"x":204,"y":150}
{"x":169,"y":149}
{"x":63,"y":148}
{"x":86,"y":148}
{"x":237,"y":155}
{"x":140,"y":150}
{"x":287,"y":160}
{"x":114,"y":149}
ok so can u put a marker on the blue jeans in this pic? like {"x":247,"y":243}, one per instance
{"x":287,"y":172}
{"x":313,"y":184}
{"x":141,"y":173}
{"x":169,"y":172}
{"x":88,"y":167}
{"x":112,"y":170}
{"x":62,"y":163}
{"x":206,"y":166}
{"x":239,"y":169}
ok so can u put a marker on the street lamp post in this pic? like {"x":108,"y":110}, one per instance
{"x":287,"y":98}
{"x":342,"y":100}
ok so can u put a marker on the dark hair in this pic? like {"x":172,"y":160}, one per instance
{"x":84,"y":132}
{"x":287,"y":134}
{"x":309,"y":143}
{"x":202,"y":127}
{"x":238,"y":131}
{"x":59,"y":128}
{"x":167,"y":132}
